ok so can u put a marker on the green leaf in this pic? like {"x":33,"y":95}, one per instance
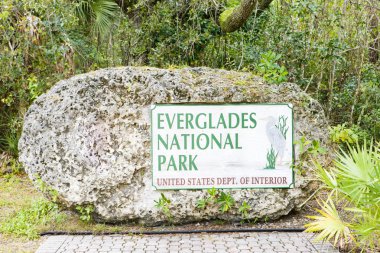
{"x":329,"y":178}
{"x":225,"y":202}
{"x":358,"y":172}
{"x":329,"y":224}
{"x":102,"y":13}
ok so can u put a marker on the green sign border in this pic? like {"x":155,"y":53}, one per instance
{"x":154,"y":106}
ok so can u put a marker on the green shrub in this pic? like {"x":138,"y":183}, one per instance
{"x":85,"y":212}
{"x":163,"y":204}
{"x":244,"y":209}
{"x":202,"y":203}
{"x":270,"y":70}
{"x":225,"y":202}
{"x":11,"y":126}
{"x":354,"y":187}
{"x":342,"y":134}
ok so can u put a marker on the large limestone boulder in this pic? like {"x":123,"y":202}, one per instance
{"x":89,"y":139}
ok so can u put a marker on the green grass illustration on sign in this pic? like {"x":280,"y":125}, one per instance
{"x":282,"y":125}
{"x":271,"y":158}
{"x":276,"y":133}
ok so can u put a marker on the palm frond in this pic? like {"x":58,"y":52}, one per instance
{"x":101,"y":14}
{"x":83,"y":10}
{"x":357,"y":173}
{"x":328,"y":178}
{"x":329,"y":224}
{"x":355,"y":179}
{"x":105,"y":13}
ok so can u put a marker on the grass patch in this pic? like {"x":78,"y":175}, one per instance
{"x":26,"y":221}
{"x":16,"y":193}
{"x":25,"y":213}
{"x":23,"y":209}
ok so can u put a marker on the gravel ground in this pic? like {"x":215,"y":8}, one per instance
{"x":16,"y":245}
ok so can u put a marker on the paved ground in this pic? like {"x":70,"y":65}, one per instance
{"x":223,"y":242}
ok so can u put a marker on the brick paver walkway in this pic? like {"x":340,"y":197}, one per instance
{"x":205,"y":242}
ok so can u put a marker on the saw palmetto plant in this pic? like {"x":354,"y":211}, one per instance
{"x":100,"y":14}
{"x":351,"y":213}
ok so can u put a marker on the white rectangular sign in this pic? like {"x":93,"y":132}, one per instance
{"x":200,"y":146}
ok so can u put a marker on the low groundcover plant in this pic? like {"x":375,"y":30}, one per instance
{"x":351,"y":213}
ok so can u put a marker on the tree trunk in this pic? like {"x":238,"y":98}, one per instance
{"x":233,"y":19}
{"x":375,"y":44}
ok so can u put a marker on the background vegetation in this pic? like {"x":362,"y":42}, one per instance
{"x":330,"y":48}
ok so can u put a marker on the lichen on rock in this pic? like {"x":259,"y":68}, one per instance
{"x":89,"y":139}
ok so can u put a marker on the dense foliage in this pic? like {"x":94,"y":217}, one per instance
{"x":330,"y":48}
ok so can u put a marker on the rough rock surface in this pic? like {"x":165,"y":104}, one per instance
{"x":89,"y":139}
